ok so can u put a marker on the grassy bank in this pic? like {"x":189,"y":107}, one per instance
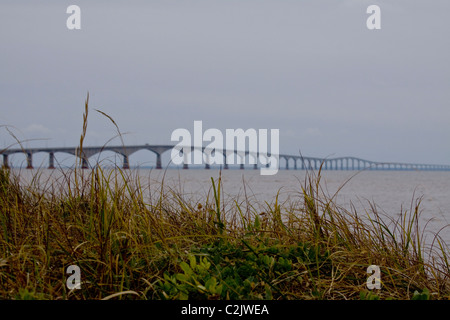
{"x":130,"y":246}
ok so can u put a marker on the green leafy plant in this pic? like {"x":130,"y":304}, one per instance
{"x":424,"y":295}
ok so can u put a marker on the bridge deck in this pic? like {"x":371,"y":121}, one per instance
{"x":299,"y":162}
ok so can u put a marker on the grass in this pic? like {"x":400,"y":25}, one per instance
{"x":129,"y":245}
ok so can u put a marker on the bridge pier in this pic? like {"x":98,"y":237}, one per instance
{"x":84,"y":163}
{"x":207,"y":161}
{"x":29,"y":160}
{"x":126,"y":163}
{"x":51,"y":160}
{"x":241,"y":166}
{"x":5,"y":161}
{"x":158,"y":161}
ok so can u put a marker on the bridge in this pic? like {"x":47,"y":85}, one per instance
{"x":295,"y":162}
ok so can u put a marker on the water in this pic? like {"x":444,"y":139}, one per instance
{"x":392,"y":191}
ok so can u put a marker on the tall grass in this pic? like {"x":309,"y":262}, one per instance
{"x":131,"y":243}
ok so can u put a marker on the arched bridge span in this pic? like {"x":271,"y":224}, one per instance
{"x":300,"y":162}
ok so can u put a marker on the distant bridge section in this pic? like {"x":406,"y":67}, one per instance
{"x":353,"y":163}
{"x":291,"y":161}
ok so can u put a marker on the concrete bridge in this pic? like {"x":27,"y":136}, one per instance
{"x":291,"y":161}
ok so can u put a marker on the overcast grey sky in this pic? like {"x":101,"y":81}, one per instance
{"x":309,"y":68}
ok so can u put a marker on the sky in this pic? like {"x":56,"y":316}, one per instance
{"x":310,"y":68}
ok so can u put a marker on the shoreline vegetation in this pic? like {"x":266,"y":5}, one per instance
{"x":170,"y":247}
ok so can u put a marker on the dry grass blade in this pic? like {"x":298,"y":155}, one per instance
{"x":119,"y":231}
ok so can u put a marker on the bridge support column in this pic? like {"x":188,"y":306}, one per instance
{"x":158,"y":161}
{"x":84,"y":163}
{"x":126,"y":163}
{"x":241,"y":166}
{"x":186,"y":159}
{"x":29,"y":161}
{"x":51,"y":160}
{"x":255,"y":166}
{"x":287,"y":163}
{"x":225,"y":164}
{"x":207,"y":161}
{"x":5,"y":161}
